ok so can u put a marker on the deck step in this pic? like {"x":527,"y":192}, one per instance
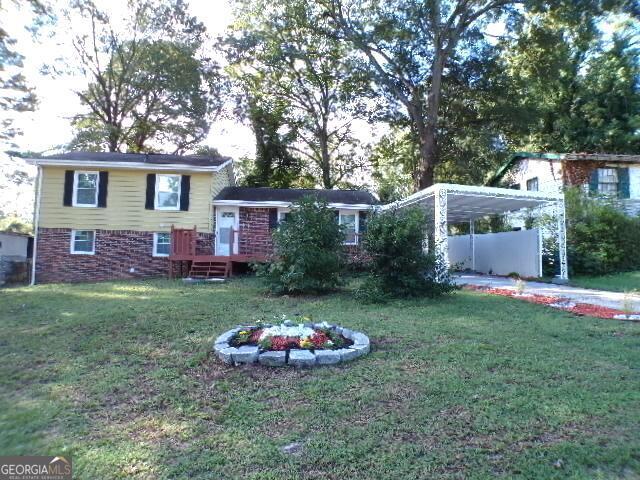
{"x":201,"y":269}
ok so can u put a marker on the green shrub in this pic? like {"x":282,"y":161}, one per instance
{"x":308,"y":251}
{"x":600,"y":238}
{"x":399,"y":266}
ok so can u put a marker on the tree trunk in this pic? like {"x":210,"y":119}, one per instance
{"x":424,"y":176}
{"x":113,"y":138}
{"x":325,"y":158}
{"x":427,"y":123}
{"x":429,"y":158}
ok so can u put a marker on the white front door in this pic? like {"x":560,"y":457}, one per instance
{"x":227,"y":231}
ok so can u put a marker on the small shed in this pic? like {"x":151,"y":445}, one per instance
{"x":16,"y":250}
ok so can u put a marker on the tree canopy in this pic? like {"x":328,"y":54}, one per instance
{"x":277,"y":54}
{"x":149,"y":86}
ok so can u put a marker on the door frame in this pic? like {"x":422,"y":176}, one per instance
{"x":219,"y":212}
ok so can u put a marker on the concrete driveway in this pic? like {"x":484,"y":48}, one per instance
{"x":575,"y":294}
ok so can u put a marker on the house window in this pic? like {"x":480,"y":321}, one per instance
{"x":283,"y":214}
{"x":607,"y":181}
{"x":83,"y":242}
{"x":161,"y":244}
{"x":349,"y":220}
{"x":532,"y":184}
{"x":167,"y":192}
{"x":85,"y":189}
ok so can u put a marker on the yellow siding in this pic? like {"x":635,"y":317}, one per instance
{"x":125,"y":203}
{"x":221,"y":180}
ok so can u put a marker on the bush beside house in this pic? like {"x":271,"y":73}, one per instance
{"x":399,"y":265}
{"x":600,"y":238}
{"x":308,"y":251}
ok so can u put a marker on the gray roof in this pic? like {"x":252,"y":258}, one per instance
{"x":151,"y":158}
{"x":263,"y":194}
{"x":604,"y":157}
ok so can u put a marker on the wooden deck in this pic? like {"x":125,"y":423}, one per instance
{"x":219,"y":258}
{"x":184,"y":261}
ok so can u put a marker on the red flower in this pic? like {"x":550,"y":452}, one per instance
{"x":284,"y":343}
{"x":319,"y":339}
{"x":255,"y":336}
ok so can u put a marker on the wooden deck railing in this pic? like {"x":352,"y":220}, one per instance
{"x":183,"y":241}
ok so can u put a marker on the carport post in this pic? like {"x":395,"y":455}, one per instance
{"x":472,"y":241}
{"x":441,"y":235}
{"x":562,"y":238}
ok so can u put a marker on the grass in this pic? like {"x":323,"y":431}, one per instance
{"x":119,"y":377}
{"x":618,"y":282}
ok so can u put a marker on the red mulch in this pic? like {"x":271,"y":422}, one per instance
{"x":579,"y":308}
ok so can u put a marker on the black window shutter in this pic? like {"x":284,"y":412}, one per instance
{"x":68,"y":188}
{"x":103,"y":185}
{"x":151,"y":191}
{"x":363,"y":222}
{"x":623,"y":183}
{"x":185,"y":187}
{"x":273,"y":218}
{"x":593,"y":182}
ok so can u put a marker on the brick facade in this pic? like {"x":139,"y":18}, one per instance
{"x":116,"y":253}
{"x":255,"y":236}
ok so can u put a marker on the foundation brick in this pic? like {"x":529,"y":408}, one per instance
{"x":116,"y":253}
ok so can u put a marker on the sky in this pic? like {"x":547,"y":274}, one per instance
{"x":48,"y":128}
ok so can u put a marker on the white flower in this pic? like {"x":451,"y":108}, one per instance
{"x":299,"y":331}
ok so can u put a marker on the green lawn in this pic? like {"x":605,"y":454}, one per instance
{"x":119,"y":377}
{"x":619,"y":282}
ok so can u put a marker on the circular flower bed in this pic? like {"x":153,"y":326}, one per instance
{"x":288,"y":343}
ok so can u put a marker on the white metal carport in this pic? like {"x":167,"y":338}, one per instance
{"x":451,"y":203}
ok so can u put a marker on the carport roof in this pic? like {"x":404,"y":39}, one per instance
{"x":468,"y":202}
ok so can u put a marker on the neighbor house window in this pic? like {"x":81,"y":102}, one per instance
{"x":607,"y":181}
{"x":85,"y":189}
{"x":83,"y":242}
{"x":167,"y":192}
{"x":161,"y":244}
{"x":532,"y":184}
{"x":349,"y":220}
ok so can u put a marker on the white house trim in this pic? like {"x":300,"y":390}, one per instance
{"x":72,"y":246}
{"x":74,"y":201}
{"x":279,"y":204}
{"x":125,"y":165}
{"x":157,"y":193}
{"x":36,"y":223}
{"x":356,"y":224}
{"x":154,"y":252}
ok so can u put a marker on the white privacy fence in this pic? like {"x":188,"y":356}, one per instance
{"x":498,"y":253}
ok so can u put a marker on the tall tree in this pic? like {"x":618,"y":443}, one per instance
{"x":275,"y":165}
{"x":581,"y":92}
{"x":410,"y":45}
{"x":149,"y":86}
{"x":277,"y":42}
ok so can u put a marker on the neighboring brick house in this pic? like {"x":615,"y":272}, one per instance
{"x":612,"y":178}
{"x":106,"y":216}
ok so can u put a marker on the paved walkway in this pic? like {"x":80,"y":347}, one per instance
{"x":576,"y":294}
